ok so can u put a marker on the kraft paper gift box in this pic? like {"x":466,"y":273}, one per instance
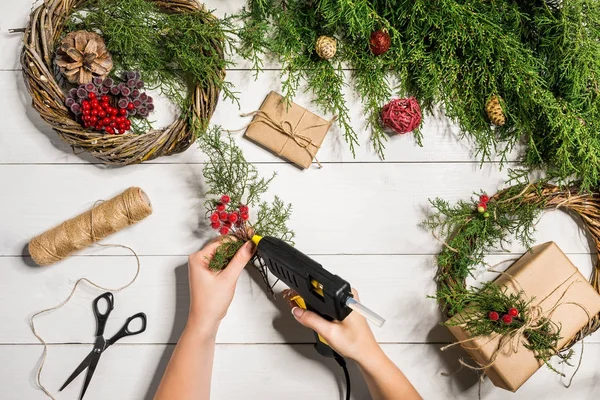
{"x":545,"y":274}
{"x":289,"y":131}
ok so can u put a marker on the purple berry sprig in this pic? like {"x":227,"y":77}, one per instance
{"x":125,"y":94}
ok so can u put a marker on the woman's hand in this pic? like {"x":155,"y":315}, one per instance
{"x":352,"y":337}
{"x":211,"y":292}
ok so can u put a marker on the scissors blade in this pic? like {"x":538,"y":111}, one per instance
{"x":90,"y":372}
{"x":84,"y":364}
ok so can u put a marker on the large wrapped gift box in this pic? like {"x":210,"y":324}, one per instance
{"x":545,"y":274}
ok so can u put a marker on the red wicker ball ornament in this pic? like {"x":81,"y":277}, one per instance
{"x":401,"y":115}
{"x":380,"y":42}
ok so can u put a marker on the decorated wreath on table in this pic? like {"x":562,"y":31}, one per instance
{"x":88,"y":63}
{"x":471,"y":229}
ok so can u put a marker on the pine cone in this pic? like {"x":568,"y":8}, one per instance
{"x":494,"y":111}
{"x":325,"y":47}
{"x":83,"y":55}
{"x":380,"y":42}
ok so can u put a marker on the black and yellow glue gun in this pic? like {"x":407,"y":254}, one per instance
{"x":318,"y":289}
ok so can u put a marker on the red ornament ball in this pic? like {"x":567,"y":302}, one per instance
{"x":484,"y":198}
{"x":232,"y":217}
{"x":214,"y":217}
{"x":223,"y":216}
{"x":220,"y":207}
{"x":379,"y":42}
{"x":245,"y":216}
{"x":513,"y":312}
{"x":493,"y":316}
{"x":507,"y":319}
{"x":215,"y":224}
{"x":244,"y":209}
{"x":224,"y":231}
{"x":401,"y":115}
{"x":225,"y":199}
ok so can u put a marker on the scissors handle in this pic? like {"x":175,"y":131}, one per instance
{"x":101,"y":317}
{"x":125,"y":331}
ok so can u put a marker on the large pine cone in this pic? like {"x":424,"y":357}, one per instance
{"x":494,"y":111}
{"x":83,"y":55}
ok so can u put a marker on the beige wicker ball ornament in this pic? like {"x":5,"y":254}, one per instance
{"x":83,"y":55}
{"x":494,"y":111}
{"x":325,"y":47}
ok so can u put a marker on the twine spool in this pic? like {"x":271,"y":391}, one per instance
{"x":104,"y":219}
{"x":401,"y":115}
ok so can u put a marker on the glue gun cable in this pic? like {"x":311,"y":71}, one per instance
{"x":365,"y":312}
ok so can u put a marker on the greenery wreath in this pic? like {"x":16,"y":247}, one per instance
{"x":197,"y":52}
{"x":471,"y":229}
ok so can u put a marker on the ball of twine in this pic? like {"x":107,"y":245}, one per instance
{"x":102,"y":220}
{"x":401,"y":115}
{"x":326,"y":47}
{"x":41,"y":38}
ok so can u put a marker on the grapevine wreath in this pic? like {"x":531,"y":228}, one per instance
{"x":43,"y":61}
{"x":470,"y":229}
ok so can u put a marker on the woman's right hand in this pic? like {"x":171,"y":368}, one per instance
{"x":352,"y":337}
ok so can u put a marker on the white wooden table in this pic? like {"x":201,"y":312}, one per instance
{"x":373,"y":240}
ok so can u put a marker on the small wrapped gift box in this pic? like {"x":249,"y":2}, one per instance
{"x":546,"y":275}
{"x":290,"y":131}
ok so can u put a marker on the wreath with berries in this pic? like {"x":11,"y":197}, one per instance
{"x":84,"y":60}
{"x":471,"y":229}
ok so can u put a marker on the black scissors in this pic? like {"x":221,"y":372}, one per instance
{"x":101,"y":344}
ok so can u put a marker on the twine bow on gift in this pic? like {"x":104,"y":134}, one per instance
{"x":511,"y":341}
{"x":292,"y":132}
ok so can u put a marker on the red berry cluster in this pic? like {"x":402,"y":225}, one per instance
{"x":224,"y":220}
{"x":482,"y":206}
{"x":506,"y":318}
{"x":98,"y":114}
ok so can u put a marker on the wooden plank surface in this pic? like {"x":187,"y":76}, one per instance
{"x":348,"y":208}
{"x":358,"y":216}
{"x":293,"y":372}
{"x":162,"y":293}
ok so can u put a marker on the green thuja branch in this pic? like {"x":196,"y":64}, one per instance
{"x":228,"y":173}
{"x":171,"y":50}
{"x":543,"y":62}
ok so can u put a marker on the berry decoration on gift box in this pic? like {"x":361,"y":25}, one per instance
{"x":401,"y":115}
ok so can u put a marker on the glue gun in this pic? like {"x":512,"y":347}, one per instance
{"x":318,"y":290}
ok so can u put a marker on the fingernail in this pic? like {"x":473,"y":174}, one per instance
{"x":297,"y":312}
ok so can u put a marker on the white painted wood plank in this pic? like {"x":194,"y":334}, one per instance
{"x":26,"y":138}
{"x":254,"y":317}
{"x":273,"y":372}
{"x":341,"y":209}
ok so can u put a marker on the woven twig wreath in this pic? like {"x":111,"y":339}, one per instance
{"x":45,"y":28}
{"x":546,"y":196}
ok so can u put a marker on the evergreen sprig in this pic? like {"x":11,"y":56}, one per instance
{"x":543,"y":62}
{"x":228,"y":172}
{"x":173,"y":51}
